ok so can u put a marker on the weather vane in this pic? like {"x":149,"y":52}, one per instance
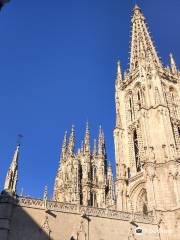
{"x":19,"y":137}
{"x":3,"y":2}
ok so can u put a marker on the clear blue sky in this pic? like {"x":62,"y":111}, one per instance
{"x":58,"y":67}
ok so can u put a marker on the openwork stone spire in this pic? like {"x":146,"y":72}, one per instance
{"x":142,"y":47}
{"x":12,"y":174}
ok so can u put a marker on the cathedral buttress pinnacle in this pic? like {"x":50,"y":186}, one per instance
{"x":12,"y":174}
{"x":119,"y":75}
{"x":173,"y":64}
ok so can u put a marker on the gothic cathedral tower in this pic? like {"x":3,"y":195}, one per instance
{"x":147,"y":132}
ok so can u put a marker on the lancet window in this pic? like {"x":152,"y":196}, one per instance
{"x":130,"y":108}
{"x":136,"y":151}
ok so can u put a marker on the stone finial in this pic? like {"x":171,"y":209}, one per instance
{"x":136,"y":8}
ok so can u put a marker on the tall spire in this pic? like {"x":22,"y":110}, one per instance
{"x":142,"y":47}
{"x":173,"y":64}
{"x":12,"y":174}
{"x":71,"y":141}
{"x":87,"y":139}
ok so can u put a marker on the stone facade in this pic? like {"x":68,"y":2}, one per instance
{"x":145,"y":203}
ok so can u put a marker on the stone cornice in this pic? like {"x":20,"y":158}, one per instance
{"x":75,"y":209}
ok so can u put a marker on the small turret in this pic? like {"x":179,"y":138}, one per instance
{"x":12,"y":174}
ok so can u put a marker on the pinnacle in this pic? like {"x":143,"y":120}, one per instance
{"x":118,"y":66}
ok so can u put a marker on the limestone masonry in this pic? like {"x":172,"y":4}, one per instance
{"x":143,"y":203}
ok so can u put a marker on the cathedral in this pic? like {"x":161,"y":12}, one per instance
{"x":143,"y":201}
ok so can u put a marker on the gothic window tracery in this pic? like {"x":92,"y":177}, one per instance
{"x":139,"y":99}
{"x":130,"y":107}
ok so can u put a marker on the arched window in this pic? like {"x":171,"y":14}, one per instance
{"x":136,"y":151}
